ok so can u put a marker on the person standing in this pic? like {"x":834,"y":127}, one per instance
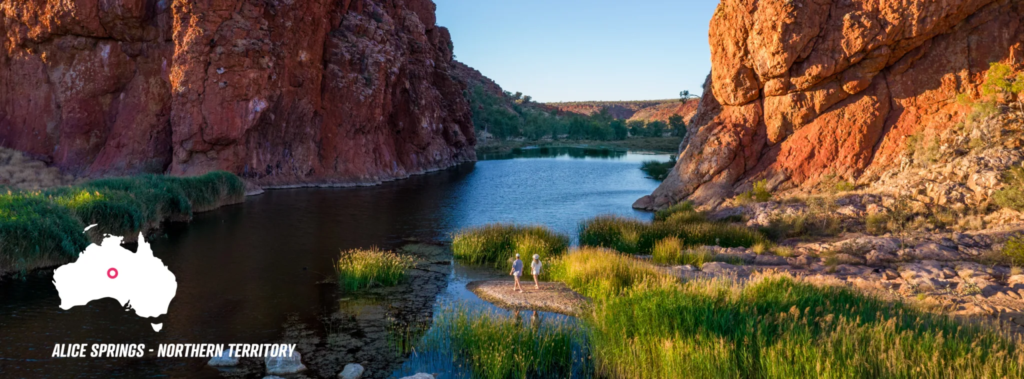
{"x":517,"y":271}
{"x":535,"y":268}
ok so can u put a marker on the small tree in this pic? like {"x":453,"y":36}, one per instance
{"x":656,"y":128}
{"x":677,"y":125}
{"x":685,"y":96}
{"x":527,"y":99}
{"x":620,"y":129}
{"x":517,"y":96}
{"x":636,"y":127}
{"x":1001,"y":80}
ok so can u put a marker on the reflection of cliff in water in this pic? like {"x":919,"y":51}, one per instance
{"x":557,"y":152}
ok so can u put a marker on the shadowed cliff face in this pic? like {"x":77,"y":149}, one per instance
{"x":283,"y":92}
{"x":807,"y":88}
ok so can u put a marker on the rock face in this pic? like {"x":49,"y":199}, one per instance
{"x":804,"y":89}
{"x":282,"y":92}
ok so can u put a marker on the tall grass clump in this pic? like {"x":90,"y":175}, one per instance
{"x":779,"y":327}
{"x":601,"y":273}
{"x":685,"y":208}
{"x":498,"y":346}
{"x":626,"y":235}
{"x":633,"y":236}
{"x":671,"y":251}
{"x":119,"y":206}
{"x":496,"y":244}
{"x":364,"y":268}
{"x":32,"y":228}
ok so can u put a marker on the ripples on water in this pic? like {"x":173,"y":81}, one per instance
{"x":244,"y":271}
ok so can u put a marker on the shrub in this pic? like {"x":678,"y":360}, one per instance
{"x":1012,"y":195}
{"x":496,"y":244}
{"x":658,"y":170}
{"x":844,"y":186}
{"x":601,"y":273}
{"x":758,"y":194}
{"x":360,"y":269}
{"x":1014,"y":250}
{"x":684,"y":207}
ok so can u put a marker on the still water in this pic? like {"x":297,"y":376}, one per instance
{"x":246,"y":271}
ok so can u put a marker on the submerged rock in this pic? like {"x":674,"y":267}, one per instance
{"x":352,"y":371}
{"x":223,"y":360}
{"x":285,"y":365}
{"x":419,"y":376}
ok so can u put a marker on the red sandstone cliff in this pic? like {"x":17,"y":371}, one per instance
{"x":806,"y":88}
{"x":283,"y":92}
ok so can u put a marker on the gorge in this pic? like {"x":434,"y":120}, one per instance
{"x":281,"y":92}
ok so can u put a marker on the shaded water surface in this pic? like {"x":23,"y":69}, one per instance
{"x":247,"y":272}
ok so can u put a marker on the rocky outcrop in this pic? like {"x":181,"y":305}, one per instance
{"x":281,"y":92}
{"x":801,"y":90}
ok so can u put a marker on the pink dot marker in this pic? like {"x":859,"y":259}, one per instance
{"x":112,"y":273}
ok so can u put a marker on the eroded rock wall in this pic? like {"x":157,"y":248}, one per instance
{"x":283,"y":92}
{"x":808,"y":88}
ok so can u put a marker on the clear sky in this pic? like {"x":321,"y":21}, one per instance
{"x":578,"y":50}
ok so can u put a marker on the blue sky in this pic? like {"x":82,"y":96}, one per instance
{"x":577,"y":50}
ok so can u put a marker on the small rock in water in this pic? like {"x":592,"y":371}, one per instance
{"x":352,"y":371}
{"x":420,"y":376}
{"x":223,"y":360}
{"x":285,"y":365}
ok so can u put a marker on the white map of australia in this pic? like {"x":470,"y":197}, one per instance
{"x":139,"y":281}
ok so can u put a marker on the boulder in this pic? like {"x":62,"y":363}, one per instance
{"x":419,"y":376}
{"x":352,"y":371}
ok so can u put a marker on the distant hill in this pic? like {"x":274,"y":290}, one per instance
{"x":645,"y":110}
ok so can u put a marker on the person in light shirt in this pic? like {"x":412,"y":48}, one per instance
{"x":535,"y":267}
{"x":517,"y":271}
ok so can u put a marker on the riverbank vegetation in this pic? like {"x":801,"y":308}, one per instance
{"x":40,"y":228}
{"x":499,"y":346}
{"x":497,"y":244}
{"x":493,"y":147}
{"x":633,"y":236}
{"x":658,"y":170}
{"x":646,"y":323}
{"x":513,"y":117}
{"x":364,"y":268}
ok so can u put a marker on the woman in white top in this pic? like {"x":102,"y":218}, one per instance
{"x":536,"y":270}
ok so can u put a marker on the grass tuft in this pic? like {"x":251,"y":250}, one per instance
{"x":496,"y":244}
{"x":633,"y":236}
{"x":602,"y":273}
{"x":499,"y":346}
{"x":360,"y":269}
